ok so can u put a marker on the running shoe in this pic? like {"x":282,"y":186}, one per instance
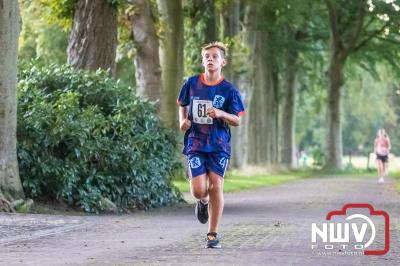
{"x":201,"y":212}
{"x":213,"y":240}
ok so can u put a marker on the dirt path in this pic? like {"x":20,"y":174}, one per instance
{"x":270,"y":226}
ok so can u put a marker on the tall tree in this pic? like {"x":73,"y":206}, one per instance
{"x":263,"y":134}
{"x":93,"y":39}
{"x":352,"y":25}
{"x":295,"y":28}
{"x":230,"y":24}
{"x":243,"y":66}
{"x":289,"y":109}
{"x":256,"y":110}
{"x":171,"y":56}
{"x":10,"y":183}
{"x":147,"y":62}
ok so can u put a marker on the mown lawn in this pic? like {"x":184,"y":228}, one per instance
{"x":396,"y":176}
{"x":237,"y":182}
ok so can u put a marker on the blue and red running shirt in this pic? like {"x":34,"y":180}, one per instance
{"x":206,"y":134}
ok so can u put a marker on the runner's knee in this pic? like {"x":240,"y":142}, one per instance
{"x":199,"y":193}
{"x":215,"y":187}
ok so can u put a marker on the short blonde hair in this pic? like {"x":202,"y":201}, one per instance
{"x":220,"y":45}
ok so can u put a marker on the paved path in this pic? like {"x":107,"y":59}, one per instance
{"x":270,"y":226}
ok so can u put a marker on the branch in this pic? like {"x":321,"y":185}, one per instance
{"x":334,"y":22}
{"x":371,"y":36}
{"x":359,"y":27}
{"x":389,"y":40}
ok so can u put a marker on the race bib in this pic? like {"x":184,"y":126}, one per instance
{"x":199,"y":111}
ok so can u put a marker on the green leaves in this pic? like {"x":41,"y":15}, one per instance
{"x":85,"y":139}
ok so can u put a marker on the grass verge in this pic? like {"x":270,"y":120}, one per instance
{"x":396,"y":177}
{"x":236,"y":181}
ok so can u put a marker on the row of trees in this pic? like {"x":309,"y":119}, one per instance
{"x":281,"y":53}
{"x":276,"y":47}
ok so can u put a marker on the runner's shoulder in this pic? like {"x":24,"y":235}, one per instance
{"x":228,"y":86}
{"x":192,"y":79}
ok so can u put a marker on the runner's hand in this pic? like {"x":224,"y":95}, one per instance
{"x":215,"y":113}
{"x":185,"y":124}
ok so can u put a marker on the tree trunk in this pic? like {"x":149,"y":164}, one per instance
{"x":334,"y":134}
{"x":230,"y":24}
{"x":171,"y":57}
{"x":268,"y":115}
{"x":10,"y":183}
{"x":147,"y":61}
{"x":264,"y":110}
{"x":253,"y":16}
{"x":93,"y":39}
{"x":249,"y":81}
{"x":241,"y":144}
{"x":275,"y":147}
{"x":259,"y":137}
{"x":240,"y":135}
{"x":346,"y":32}
{"x":289,"y":112}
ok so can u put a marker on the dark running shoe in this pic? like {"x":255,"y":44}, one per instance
{"x":201,"y":212}
{"x":213,"y":240}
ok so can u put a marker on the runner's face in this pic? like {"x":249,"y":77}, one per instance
{"x":213,"y":60}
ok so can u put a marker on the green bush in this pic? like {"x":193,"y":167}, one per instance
{"x":318,"y":155}
{"x":86,"y":139}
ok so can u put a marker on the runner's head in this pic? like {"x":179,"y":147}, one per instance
{"x":214,"y":56}
{"x":381,"y":133}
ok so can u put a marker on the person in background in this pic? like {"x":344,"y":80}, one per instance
{"x":382,"y":148}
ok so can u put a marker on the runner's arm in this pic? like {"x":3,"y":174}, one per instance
{"x":231,"y":119}
{"x":184,"y":122}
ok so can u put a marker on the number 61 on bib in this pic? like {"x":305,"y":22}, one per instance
{"x":199,"y":111}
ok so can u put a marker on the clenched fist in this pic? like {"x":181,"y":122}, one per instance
{"x":185,"y":124}
{"x":215,"y":113}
